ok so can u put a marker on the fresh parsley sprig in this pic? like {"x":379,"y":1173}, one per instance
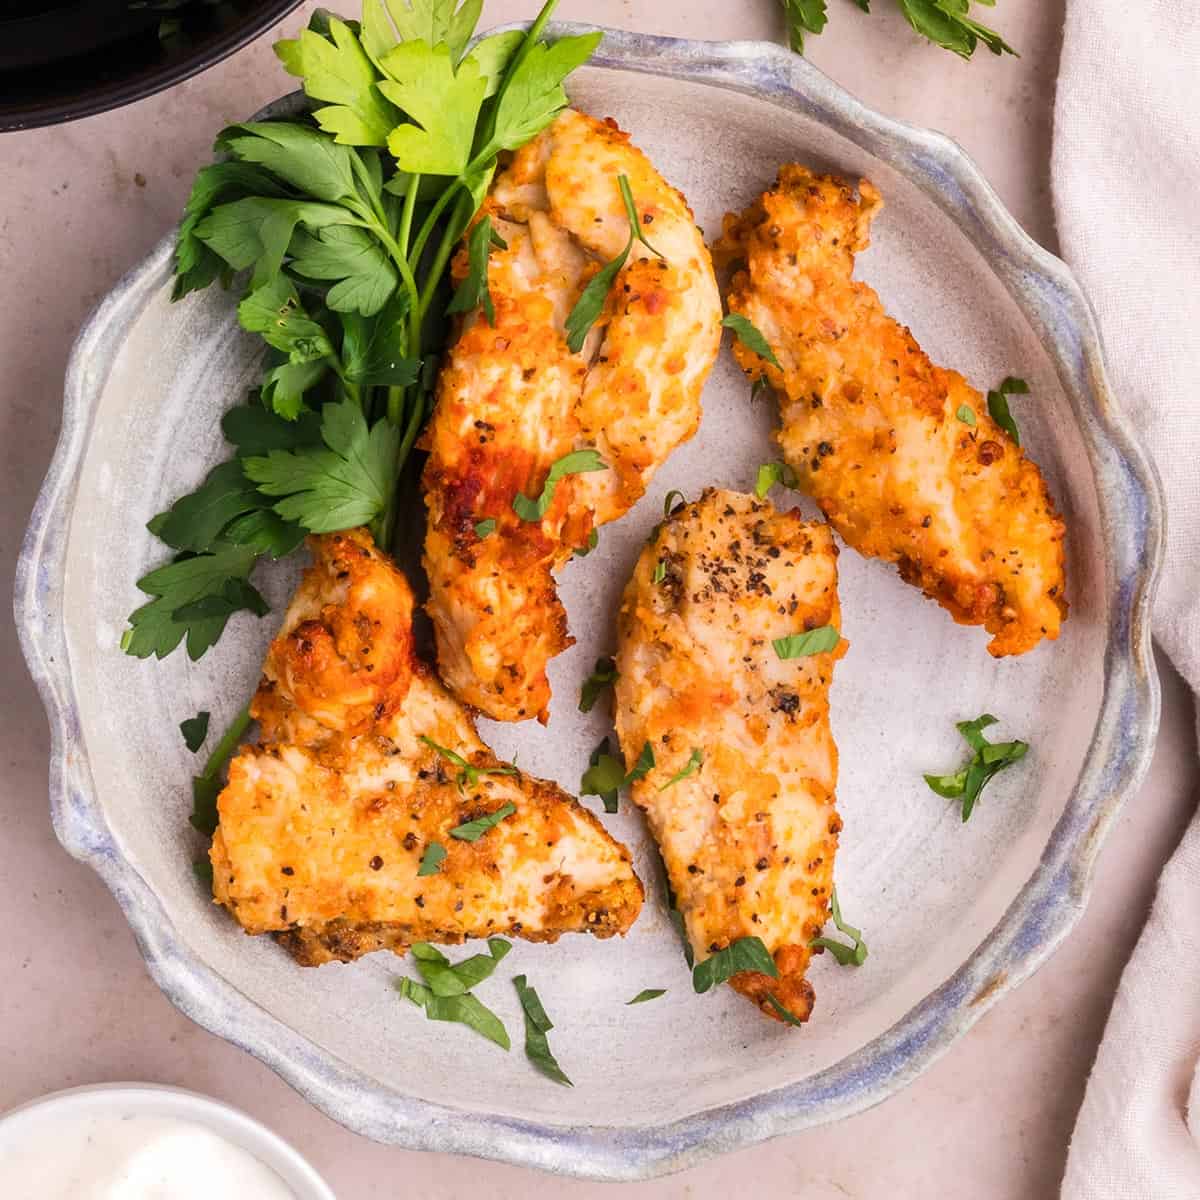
{"x":337,"y":229}
{"x":946,"y":23}
{"x":578,"y":462}
{"x":604,"y":675}
{"x":743,"y":954}
{"x":987,"y":760}
{"x":804,"y":645}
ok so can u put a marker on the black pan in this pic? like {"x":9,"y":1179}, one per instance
{"x":62,"y":59}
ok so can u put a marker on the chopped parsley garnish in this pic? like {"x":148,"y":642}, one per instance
{"x":590,"y":304}
{"x":485,"y":528}
{"x":456,"y":979}
{"x":673,"y":498}
{"x":769,"y":474}
{"x":987,"y":760}
{"x":646,"y":994}
{"x":468,"y":774}
{"x":465,"y":1010}
{"x":537,"y":1025}
{"x":997,"y":402}
{"x":966,"y":414}
{"x":785,"y":1014}
{"x":592,"y":542}
{"x":603,"y":676}
{"x":751,"y":337}
{"x":578,"y":462}
{"x":693,"y":765}
{"x":472,"y":831}
{"x":473,"y":292}
{"x":848,"y":956}
{"x":813,"y":641}
{"x":194,"y":730}
{"x":432,"y":859}
{"x":745,"y":954}
{"x":606,"y":775}
{"x":660,"y":572}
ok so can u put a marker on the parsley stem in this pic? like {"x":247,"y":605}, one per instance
{"x":406,"y":217}
{"x":223,"y":751}
{"x":431,"y":220}
{"x":438,"y":266}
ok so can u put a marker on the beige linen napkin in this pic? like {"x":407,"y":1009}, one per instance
{"x":1126,"y":178}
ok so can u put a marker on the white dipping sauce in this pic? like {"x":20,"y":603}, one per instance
{"x":116,"y":1156}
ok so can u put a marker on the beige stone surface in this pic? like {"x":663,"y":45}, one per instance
{"x":81,"y":203}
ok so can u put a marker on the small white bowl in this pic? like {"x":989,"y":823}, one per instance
{"x":153,"y":1100}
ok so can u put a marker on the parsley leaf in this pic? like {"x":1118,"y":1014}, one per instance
{"x":337,"y":69}
{"x":346,"y":485}
{"x":203,"y":870}
{"x":374,"y":350}
{"x":997,"y":402}
{"x":194,"y":730}
{"x":987,"y":761}
{"x":646,"y":994}
{"x":468,"y":774}
{"x":195,"y":521}
{"x":694,"y":763}
{"x":578,"y":462}
{"x":537,"y":1025}
{"x":604,"y":777}
{"x":751,"y":337}
{"x":803,"y":16}
{"x":591,"y":301}
{"x":946,"y":24}
{"x":785,"y":1015}
{"x":673,"y":499}
{"x":432,"y":21}
{"x":847,"y":956}
{"x":744,"y":954}
{"x":297,"y":154}
{"x":801,"y":645}
{"x":365,"y":279}
{"x":274,"y":311}
{"x":603,"y":676}
{"x":485,"y":528}
{"x":966,"y":414}
{"x":474,"y":292}
{"x":644,"y":765}
{"x":769,"y":474}
{"x":443,"y":103}
{"x":464,"y":1010}
{"x":193,"y":598}
{"x":472,"y":831}
{"x":456,"y":979}
{"x":532,"y":95}
{"x":256,"y":430}
{"x":432,"y":859}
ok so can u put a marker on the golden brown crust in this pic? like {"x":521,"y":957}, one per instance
{"x":323,"y":827}
{"x":749,"y":838}
{"x":870,"y":424}
{"x":513,"y":399}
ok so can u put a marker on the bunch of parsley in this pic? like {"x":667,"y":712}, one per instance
{"x":337,"y":229}
{"x":946,"y":23}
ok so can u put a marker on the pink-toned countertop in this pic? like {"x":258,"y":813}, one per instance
{"x":81,"y":203}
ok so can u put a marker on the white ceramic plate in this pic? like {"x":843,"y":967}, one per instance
{"x":955,"y":915}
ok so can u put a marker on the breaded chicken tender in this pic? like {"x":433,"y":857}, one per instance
{"x":873,"y":429}
{"x":741,"y":797}
{"x":365,"y":767}
{"x":513,"y":400}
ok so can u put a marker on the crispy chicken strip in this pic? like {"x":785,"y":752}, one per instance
{"x":513,"y":399}
{"x":749,"y":836}
{"x":872,"y":427}
{"x":325,"y":824}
